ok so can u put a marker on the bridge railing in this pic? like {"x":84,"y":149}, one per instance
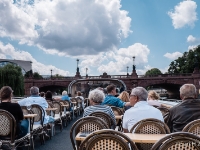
{"x":47,"y":77}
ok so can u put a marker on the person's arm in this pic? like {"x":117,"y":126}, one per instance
{"x":169,"y":121}
{"x":120,"y":103}
{"x":125,"y":124}
{"x":19,"y":112}
{"x":22,"y":102}
{"x":127,"y":104}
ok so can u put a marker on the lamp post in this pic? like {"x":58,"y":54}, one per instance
{"x":77,"y":65}
{"x":86,"y":72}
{"x":133,"y":63}
{"x":51,"y":73}
{"x":127,"y":70}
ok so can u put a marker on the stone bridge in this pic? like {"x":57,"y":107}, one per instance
{"x":170,"y":82}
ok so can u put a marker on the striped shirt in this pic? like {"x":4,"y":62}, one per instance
{"x":103,"y":108}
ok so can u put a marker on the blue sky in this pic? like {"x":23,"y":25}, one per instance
{"x":103,"y":34}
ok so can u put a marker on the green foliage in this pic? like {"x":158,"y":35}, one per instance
{"x":36,"y":75}
{"x":11,"y":75}
{"x":186,"y":63}
{"x":28,"y":74}
{"x":153,"y":72}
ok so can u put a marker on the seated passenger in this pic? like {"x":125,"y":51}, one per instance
{"x":112,"y":100}
{"x":153,"y":98}
{"x":96,"y":97}
{"x":48,"y":96}
{"x":65,"y":97}
{"x":15,"y":110}
{"x":124,"y":96}
{"x":185,"y":112}
{"x":140,"y":110}
{"x":81,"y":97}
{"x":36,"y":99}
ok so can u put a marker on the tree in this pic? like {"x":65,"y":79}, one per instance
{"x":11,"y":75}
{"x":152,"y":72}
{"x":186,"y":63}
{"x":36,"y":75}
{"x":28,"y":74}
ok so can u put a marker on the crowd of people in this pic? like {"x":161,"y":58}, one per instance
{"x":138,"y":104}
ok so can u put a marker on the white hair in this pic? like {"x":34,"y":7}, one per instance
{"x":97,"y":96}
{"x":188,"y":91}
{"x":141,"y":93}
{"x":64,"y":93}
{"x":34,"y":90}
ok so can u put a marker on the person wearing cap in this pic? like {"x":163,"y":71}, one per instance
{"x":111,"y":100}
{"x":140,"y":109}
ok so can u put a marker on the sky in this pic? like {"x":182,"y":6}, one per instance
{"x":103,"y":34}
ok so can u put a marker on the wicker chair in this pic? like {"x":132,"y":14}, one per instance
{"x":8,"y":131}
{"x":163,"y":110}
{"x":66,"y":115}
{"x":39,"y":129}
{"x":76,"y":108}
{"x":86,"y":124}
{"x":80,"y":106}
{"x":193,"y":127}
{"x":107,"y":139}
{"x":178,"y":141}
{"x":58,"y":114}
{"x":149,"y":126}
{"x":118,"y":112}
{"x":105,"y":117}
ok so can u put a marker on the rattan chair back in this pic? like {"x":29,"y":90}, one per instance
{"x":105,"y":117}
{"x":86,"y":124}
{"x":107,"y":139}
{"x":58,"y":106}
{"x":178,"y":141}
{"x":163,"y":110}
{"x":66,"y":103}
{"x":193,"y":127}
{"x":25,"y":110}
{"x":117,"y":111}
{"x":7,"y":126}
{"x":37,"y":109}
{"x":149,"y":126}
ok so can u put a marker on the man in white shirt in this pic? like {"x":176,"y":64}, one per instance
{"x":140,"y":109}
{"x":36,"y":99}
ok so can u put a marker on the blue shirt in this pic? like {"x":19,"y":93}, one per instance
{"x":65,"y":97}
{"x":35,"y":99}
{"x":114,"y":101}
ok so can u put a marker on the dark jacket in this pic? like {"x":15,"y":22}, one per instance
{"x":183,"y":113}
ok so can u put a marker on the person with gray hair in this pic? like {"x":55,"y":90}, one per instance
{"x":96,"y":97}
{"x":36,"y":99}
{"x":185,"y":112}
{"x":65,"y":97}
{"x":140,"y":109}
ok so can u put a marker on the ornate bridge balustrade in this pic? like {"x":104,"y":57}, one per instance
{"x":170,"y":82}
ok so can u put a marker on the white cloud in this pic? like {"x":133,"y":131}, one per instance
{"x":116,"y":61}
{"x":9,"y":51}
{"x":184,"y":14}
{"x":66,"y":27}
{"x":173,"y":56}
{"x":191,"y":39}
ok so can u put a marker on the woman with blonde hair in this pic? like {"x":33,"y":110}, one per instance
{"x":153,"y":98}
{"x":124,"y":96}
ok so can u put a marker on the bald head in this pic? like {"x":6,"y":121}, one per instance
{"x":187,"y":91}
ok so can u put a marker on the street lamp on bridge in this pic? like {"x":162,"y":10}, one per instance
{"x":133,"y":63}
{"x":86,"y":72}
{"x":51,"y":73}
{"x":127,"y":70}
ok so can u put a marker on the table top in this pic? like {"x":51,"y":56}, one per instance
{"x":119,"y":117}
{"x":51,"y":108}
{"x":135,"y":137}
{"x":30,"y":115}
{"x":65,"y":105}
{"x":73,"y":102}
